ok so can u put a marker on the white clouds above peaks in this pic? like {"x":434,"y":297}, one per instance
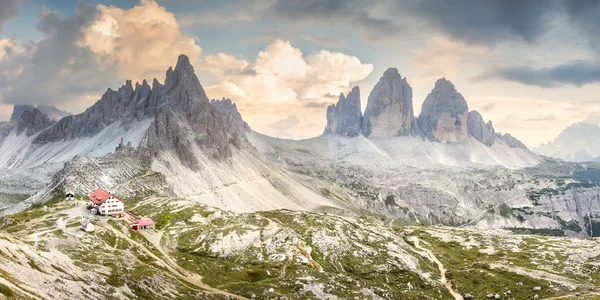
{"x":144,"y":40}
{"x":283,"y":80}
{"x":98,"y":47}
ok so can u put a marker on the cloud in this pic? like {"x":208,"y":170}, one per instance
{"x":285,"y":124}
{"x":57,"y":68}
{"x":584,"y":14}
{"x":141,"y":41}
{"x":80,"y":56}
{"x":442,"y":56}
{"x":283,"y":79}
{"x":325,"y":40}
{"x":268,"y":37}
{"x":9,"y":9}
{"x":281,"y":73}
{"x":484,"y":22}
{"x":488,"y":107}
{"x":575,"y":73}
{"x":354,"y":13}
{"x":593,"y":118}
{"x":542,"y":118}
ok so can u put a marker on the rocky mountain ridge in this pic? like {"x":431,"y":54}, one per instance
{"x":444,"y":117}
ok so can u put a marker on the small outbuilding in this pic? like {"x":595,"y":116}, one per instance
{"x":69,"y":196}
{"x":86,"y":225}
{"x":143,"y":223}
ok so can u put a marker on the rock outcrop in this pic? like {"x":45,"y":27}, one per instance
{"x":511,"y":141}
{"x":486,"y":134}
{"x":389,"y":109}
{"x":18,"y":110}
{"x":178,"y":115}
{"x":443,"y":116}
{"x":113,"y":106}
{"x":345,"y":117}
{"x":235,"y":125}
{"x":186,"y":121}
{"x":32,"y":121}
{"x":478,"y":129}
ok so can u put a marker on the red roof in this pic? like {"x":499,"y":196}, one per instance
{"x":145,"y":222}
{"x":99,"y":196}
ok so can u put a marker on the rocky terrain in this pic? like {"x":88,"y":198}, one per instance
{"x":199,"y":252}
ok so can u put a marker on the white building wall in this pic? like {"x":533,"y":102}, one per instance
{"x":112,"y":206}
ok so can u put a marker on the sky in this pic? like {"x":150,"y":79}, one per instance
{"x":532,"y":67}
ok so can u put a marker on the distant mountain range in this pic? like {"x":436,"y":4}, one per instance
{"x":579,"y":142}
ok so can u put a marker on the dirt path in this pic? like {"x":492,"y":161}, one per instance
{"x":169,"y":263}
{"x":443,"y":280}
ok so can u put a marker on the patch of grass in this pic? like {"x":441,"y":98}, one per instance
{"x":470,"y":270}
{"x":34,"y":265}
{"x":538,"y":231}
{"x":6,"y":291}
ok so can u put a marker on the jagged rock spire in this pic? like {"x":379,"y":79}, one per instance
{"x":345,"y":117}
{"x":32,"y":121}
{"x":389,"y":109}
{"x":443,"y":116}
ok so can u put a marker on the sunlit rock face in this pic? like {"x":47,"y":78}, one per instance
{"x":389,"y":109}
{"x":443,"y":116}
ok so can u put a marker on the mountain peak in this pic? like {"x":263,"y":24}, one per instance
{"x":443,"y":115}
{"x":182,"y":60}
{"x":32,"y":120}
{"x":52,"y":112}
{"x":444,"y":83}
{"x":391,"y":72}
{"x":389,"y":109}
{"x":18,"y":111}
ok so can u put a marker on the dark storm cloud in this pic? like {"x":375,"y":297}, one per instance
{"x":349,"y":12}
{"x":585,"y":14}
{"x":57,"y":68}
{"x":474,"y":21}
{"x":9,"y":9}
{"x":577,"y":73}
{"x":486,"y":22}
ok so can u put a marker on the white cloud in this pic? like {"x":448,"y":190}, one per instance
{"x":442,"y":56}
{"x":143,"y":40}
{"x":101,"y":46}
{"x":283,"y":79}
